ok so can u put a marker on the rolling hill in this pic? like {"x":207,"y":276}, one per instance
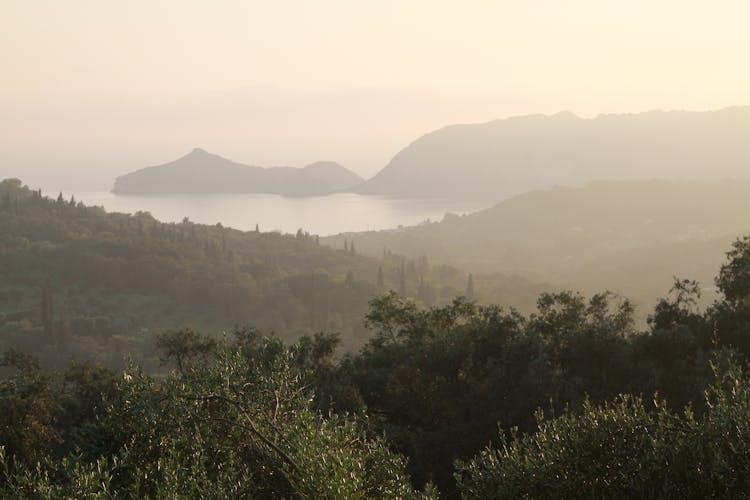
{"x":631,"y":235}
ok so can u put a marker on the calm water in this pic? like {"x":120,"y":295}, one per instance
{"x":321,"y":215}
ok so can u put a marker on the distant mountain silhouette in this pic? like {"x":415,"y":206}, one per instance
{"x":203,"y":172}
{"x":514,"y":155}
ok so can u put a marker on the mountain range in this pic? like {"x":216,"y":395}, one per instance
{"x":202,"y":172}
{"x":500,"y":158}
{"x":510,"y":156}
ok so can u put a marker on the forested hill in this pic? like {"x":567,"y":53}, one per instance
{"x":76,"y":281}
{"x":587,"y":404}
{"x":514,"y":155}
{"x":202,"y":172}
{"x":631,"y":237}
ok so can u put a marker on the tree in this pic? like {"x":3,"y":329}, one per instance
{"x":316,"y":353}
{"x":624,"y":449}
{"x":7,"y":203}
{"x":670,"y":313}
{"x":402,"y":280}
{"x":47,"y":311}
{"x":184,"y":347}
{"x":381,"y":281}
{"x":28,"y":408}
{"x":734,"y":276}
{"x":470,"y":287}
{"x":239,"y":426}
{"x":62,"y":329}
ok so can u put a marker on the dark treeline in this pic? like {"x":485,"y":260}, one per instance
{"x":457,"y":399}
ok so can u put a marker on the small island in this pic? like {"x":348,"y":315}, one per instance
{"x":202,"y":172}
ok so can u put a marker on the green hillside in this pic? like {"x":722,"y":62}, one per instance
{"x":111,"y":281}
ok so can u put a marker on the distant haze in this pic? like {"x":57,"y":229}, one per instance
{"x":92,"y":90}
{"x":514,"y":155}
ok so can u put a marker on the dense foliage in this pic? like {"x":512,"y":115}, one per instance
{"x":439,"y":381}
{"x":588,"y":403}
{"x":239,"y":426}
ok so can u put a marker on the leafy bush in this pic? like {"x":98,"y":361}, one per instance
{"x":234,"y":427}
{"x":623,"y":449}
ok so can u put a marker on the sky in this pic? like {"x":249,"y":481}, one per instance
{"x":93,"y":89}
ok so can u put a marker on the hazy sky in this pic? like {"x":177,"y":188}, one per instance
{"x":101,"y":87}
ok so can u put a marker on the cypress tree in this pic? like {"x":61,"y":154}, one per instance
{"x":47,"y":311}
{"x":381,"y":281}
{"x":402,"y":280}
{"x":470,"y":287}
{"x":312,"y":300}
{"x":411,"y":271}
{"x":63,"y":328}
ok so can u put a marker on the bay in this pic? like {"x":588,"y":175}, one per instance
{"x":322,"y":215}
